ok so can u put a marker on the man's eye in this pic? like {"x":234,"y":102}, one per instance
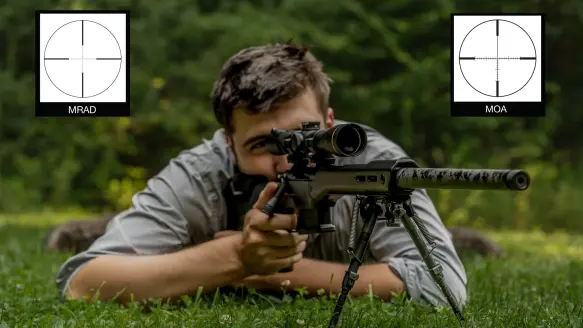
{"x":258,"y":145}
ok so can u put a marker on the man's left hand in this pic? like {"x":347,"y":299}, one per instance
{"x":259,"y":282}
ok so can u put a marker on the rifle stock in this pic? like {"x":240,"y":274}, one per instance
{"x":383,"y":178}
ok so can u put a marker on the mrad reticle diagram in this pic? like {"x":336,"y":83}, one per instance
{"x":497,"y":66}
{"x":82,"y":59}
{"x":497,"y":58}
{"x":82,"y":63}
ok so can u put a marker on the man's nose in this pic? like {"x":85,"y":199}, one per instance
{"x":281,"y":164}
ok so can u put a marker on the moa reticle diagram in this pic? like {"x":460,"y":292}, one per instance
{"x":497,"y":58}
{"x":496,"y":61}
{"x":82,"y":59}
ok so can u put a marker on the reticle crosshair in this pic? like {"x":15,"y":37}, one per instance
{"x":82,"y":58}
{"x":497,"y":58}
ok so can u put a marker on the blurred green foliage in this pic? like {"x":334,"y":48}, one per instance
{"x":390,"y":64}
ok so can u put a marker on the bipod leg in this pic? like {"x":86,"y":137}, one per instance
{"x":404,"y":211}
{"x":369,"y":210}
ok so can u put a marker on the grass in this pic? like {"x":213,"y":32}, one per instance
{"x":538,"y":284}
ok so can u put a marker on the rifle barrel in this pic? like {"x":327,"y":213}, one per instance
{"x":444,"y":178}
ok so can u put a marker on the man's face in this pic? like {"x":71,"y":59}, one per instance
{"x":250,"y":132}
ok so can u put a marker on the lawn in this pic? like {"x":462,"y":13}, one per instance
{"x":538,"y":284}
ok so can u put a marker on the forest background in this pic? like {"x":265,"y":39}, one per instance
{"x":390,"y":64}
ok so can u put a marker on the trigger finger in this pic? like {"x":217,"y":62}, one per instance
{"x":279,"y":222}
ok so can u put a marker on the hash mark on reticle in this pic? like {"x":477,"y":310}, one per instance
{"x":498,"y":58}
{"x":497,"y":70}
{"x":82,"y":58}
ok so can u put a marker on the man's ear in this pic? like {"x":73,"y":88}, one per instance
{"x":330,"y":118}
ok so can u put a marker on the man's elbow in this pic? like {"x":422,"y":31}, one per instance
{"x":420,"y":286}
{"x":78,"y":289}
{"x":88,"y":283}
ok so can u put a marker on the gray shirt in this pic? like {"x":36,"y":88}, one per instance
{"x":183,"y":206}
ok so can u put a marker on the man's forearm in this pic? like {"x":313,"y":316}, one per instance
{"x":315,"y":275}
{"x":208,"y":265}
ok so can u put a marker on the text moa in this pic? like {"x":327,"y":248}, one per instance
{"x":496,"y":109}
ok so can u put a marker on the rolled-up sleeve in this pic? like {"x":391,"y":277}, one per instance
{"x":394,"y":246}
{"x":159,"y":221}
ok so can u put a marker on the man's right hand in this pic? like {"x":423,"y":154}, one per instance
{"x":267,"y":246}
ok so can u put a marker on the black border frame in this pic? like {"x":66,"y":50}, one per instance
{"x":516,"y":109}
{"x":103,"y":109}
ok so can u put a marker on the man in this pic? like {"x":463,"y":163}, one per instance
{"x":173,"y":240}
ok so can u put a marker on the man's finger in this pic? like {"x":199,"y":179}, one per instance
{"x":266,"y":194}
{"x":276,"y":222}
{"x":287,"y":262}
{"x":284,"y":252}
{"x":288,"y":239}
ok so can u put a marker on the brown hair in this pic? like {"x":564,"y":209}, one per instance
{"x":258,"y":78}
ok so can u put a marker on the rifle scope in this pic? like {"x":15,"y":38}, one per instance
{"x":343,"y":140}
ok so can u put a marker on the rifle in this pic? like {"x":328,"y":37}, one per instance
{"x":381,"y":186}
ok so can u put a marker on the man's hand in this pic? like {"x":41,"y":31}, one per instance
{"x":259,"y":282}
{"x":267,"y":246}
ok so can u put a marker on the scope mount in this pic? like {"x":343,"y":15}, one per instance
{"x":304,"y":157}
